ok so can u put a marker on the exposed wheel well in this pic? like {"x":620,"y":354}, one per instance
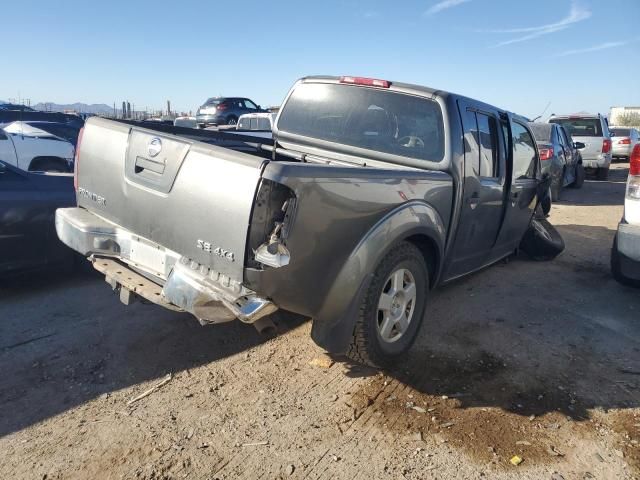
{"x":429,"y":250}
{"x":49,"y":163}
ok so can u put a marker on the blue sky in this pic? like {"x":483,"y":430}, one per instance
{"x":519,"y":55}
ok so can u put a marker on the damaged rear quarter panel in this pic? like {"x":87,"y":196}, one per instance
{"x":336,"y":208}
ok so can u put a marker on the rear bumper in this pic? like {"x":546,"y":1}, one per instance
{"x":628,"y":245}
{"x":603,"y":160}
{"x":209,"y":119}
{"x":157,"y":274}
{"x":621,"y":150}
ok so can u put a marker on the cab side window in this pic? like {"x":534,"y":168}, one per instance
{"x":488,"y":140}
{"x":524,"y":153}
{"x":482,"y":144}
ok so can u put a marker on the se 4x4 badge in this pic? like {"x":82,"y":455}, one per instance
{"x":221,"y":252}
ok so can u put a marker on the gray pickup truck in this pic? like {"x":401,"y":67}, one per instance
{"x":370,"y":194}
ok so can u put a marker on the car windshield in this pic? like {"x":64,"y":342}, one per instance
{"x":541,"y":131}
{"x":370,"y":118}
{"x":580,"y":127}
{"x":620,"y":132}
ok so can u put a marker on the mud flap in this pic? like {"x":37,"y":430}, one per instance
{"x":542,"y":241}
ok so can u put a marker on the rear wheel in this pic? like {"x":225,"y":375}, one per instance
{"x":393,"y":307}
{"x":232,"y":120}
{"x":603,"y":173}
{"x":580,"y":176}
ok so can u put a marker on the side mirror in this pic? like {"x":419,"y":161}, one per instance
{"x":578,"y":145}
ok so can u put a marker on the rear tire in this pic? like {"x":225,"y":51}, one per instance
{"x":603,"y":173}
{"x":542,"y":242}
{"x":389,"y":316}
{"x":580,"y":176}
{"x":232,"y":120}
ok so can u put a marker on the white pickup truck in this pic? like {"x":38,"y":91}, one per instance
{"x":32,"y":149}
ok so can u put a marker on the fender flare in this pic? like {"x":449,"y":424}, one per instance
{"x":333,"y":324}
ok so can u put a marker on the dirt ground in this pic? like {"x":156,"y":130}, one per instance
{"x":538,"y":360}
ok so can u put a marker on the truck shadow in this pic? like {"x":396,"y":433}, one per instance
{"x":532,"y":338}
{"x":61,"y":350}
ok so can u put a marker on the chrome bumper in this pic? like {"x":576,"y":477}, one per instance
{"x":178,"y":283}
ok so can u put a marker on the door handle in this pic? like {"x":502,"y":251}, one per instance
{"x":474,"y":200}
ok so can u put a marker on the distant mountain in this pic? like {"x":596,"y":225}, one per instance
{"x":99,"y":108}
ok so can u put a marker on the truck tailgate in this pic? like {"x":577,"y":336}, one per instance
{"x":190,"y":197}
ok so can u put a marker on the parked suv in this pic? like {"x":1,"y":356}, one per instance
{"x":224,"y":110}
{"x":623,"y":139}
{"x":625,"y":254}
{"x":593,"y":131}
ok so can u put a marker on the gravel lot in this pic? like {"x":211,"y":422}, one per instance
{"x":538,"y":360}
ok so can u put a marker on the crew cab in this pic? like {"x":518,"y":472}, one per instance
{"x":370,"y":194}
{"x":33,"y":149}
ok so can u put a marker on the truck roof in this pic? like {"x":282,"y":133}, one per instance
{"x":415,"y":90}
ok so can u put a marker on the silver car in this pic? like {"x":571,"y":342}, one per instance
{"x":593,"y":131}
{"x":623,"y":139}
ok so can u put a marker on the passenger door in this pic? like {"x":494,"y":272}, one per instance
{"x":524,"y":166}
{"x":483,"y":191}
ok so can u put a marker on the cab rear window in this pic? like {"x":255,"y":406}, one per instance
{"x":580,"y":127}
{"x":370,"y":118}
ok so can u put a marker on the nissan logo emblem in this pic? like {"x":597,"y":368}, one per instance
{"x":154,"y":147}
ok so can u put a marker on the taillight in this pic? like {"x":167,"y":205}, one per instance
{"x":76,"y":162}
{"x":624,"y":141}
{"x":606,"y":145}
{"x":222,"y":106}
{"x":633,"y":182}
{"x":546,"y":153}
{"x":369,"y":82}
{"x":634,"y":161}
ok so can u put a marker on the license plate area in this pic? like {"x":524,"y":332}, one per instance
{"x":151,"y":258}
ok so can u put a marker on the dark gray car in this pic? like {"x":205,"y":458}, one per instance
{"x":559,"y":156}
{"x":225,"y":110}
{"x":371,"y":194}
{"x":28,"y":202}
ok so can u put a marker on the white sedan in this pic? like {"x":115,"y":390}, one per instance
{"x":33,"y":149}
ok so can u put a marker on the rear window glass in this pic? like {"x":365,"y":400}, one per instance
{"x":369,"y":118}
{"x":542,"y":131}
{"x":580,"y":127}
{"x":213,"y":101}
{"x":621,"y":132}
